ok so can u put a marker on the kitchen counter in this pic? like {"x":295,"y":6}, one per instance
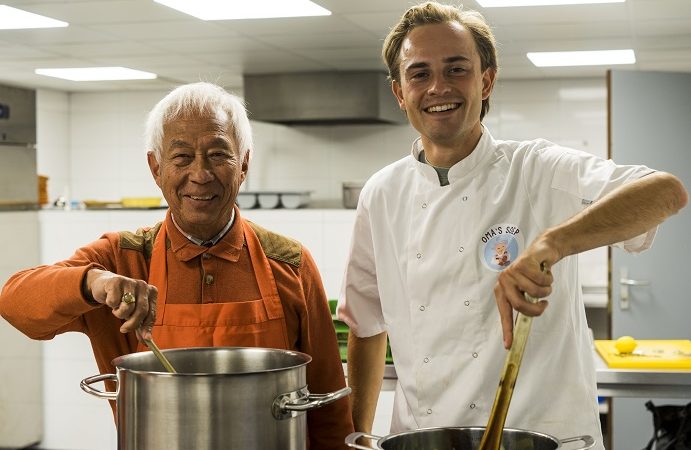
{"x":612,"y":382}
{"x":641,"y":382}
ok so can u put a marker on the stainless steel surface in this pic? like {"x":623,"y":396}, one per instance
{"x":17,"y":115}
{"x":273,"y":199}
{"x":220,"y":398}
{"x":161,"y":357}
{"x":465,"y":438}
{"x":625,"y":282}
{"x":291,"y":404}
{"x":634,"y":282}
{"x":86,"y":383}
{"x":351,"y":193}
{"x":610,"y":382}
{"x":18,"y":178}
{"x":322,"y":97}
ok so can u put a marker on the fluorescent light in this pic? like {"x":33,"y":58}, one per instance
{"x":97,"y":74}
{"x":245,"y":9}
{"x":13,"y":19}
{"x":504,"y":3}
{"x":592,"y":58}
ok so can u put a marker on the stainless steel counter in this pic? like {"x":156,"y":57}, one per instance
{"x":641,"y":382}
{"x":613,"y":382}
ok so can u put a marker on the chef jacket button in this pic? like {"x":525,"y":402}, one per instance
{"x":466,"y":303}
{"x":465,"y":197}
{"x":472,"y":406}
{"x":209,"y":279}
{"x":429,"y":411}
{"x":474,"y":355}
{"x":426,"y":360}
{"x":460,"y":249}
{"x":419,"y":255}
{"x":422,"y":307}
{"x":206,"y":256}
{"x":424,"y":205}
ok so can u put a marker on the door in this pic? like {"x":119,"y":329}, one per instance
{"x":650,"y":123}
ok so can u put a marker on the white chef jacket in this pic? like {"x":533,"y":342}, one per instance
{"x":423,"y":263}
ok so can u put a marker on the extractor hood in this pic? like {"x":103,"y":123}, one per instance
{"x":322,"y":98}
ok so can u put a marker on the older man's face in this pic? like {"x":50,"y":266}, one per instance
{"x":200,"y":173}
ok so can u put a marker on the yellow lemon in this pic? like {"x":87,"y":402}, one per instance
{"x":625,"y":344}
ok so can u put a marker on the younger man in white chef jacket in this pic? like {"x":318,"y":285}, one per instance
{"x":447,"y":240}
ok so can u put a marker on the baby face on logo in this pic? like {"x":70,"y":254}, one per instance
{"x":500,"y":246}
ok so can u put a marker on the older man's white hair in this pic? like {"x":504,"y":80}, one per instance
{"x":195,"y":99}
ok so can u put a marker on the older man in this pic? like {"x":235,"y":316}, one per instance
{"x":202,"y":277}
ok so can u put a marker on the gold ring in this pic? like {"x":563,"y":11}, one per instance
{"x":128,"y":298}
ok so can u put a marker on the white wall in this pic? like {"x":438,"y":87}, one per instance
{"x":100,"y":153}
{"x":21,"y":376}
{"x":53,"y":140}
{"x":91,"y":145}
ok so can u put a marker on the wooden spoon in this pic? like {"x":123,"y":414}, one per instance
{"x":491,"y":439}
{"x":161,"y":357}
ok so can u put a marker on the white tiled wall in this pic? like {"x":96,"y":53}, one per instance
{"x":21,"y":394}
{"x":101,"y":155}
{"x":91,"y":146}
{"x":53,"y":140}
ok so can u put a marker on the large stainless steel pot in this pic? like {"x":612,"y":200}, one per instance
{"x":221,"y":398}
{"x":464,"y":438}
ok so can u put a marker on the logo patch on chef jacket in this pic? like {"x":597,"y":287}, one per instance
{"x":500,"y":245}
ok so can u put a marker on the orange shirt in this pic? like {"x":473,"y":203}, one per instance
{"x":47,"y":300}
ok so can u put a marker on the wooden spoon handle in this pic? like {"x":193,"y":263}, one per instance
{"x":161,"y":357}
{"x":491,"y":439}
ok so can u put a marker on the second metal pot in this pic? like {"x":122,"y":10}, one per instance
{"x":464,"y":438}
{"x":223,"y":397}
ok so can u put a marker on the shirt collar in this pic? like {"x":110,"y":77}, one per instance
{"x":209,"y":242}
{"x":477,"y":158}
{"x":229,"y":247}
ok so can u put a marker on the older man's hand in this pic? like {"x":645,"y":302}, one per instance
{"x":133,"y":301}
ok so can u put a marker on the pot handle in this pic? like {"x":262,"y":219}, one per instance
{"x":587,"y":440}
{"x":293,"y":403}
{"x":86,"y":383}
{"x":352,"y":438}
{"x":317,"y":400}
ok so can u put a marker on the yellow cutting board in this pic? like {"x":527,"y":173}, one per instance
{"x":649,"y":354}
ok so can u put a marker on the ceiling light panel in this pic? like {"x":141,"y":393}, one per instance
{"x":508,"y":3}
{"x":246,"y":9}
{"x":96,"y":74}
{"x":582,"y":58}
{"x":14,"y":19}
